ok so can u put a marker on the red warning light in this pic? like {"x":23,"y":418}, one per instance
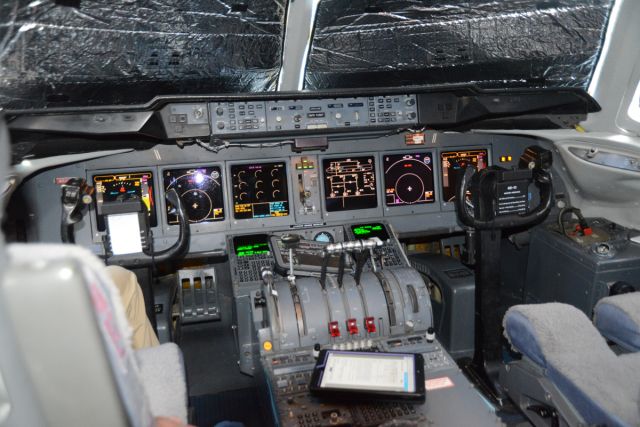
{"x":334,"y":329}
{"x":122,"y":189}
{"x":352,"y":326}
{"x":370,"y":324}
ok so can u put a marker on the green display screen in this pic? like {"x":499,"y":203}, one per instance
{"x":255,"y":244}
{"x":366,"y":231}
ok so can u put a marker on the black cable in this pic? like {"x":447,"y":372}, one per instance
{"x":574,"y":211}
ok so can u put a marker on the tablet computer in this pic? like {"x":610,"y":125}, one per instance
{"x":354,"y":375}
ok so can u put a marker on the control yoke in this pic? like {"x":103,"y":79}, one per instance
{"x":76,"y":194}
{"x":181,"y":246}
{"x":499,"y":200}
{"x":496,"y":192}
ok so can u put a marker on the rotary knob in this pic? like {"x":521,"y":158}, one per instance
{"x":297,"y":118}
{"x":219,"y":111}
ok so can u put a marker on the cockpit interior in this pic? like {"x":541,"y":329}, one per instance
{"x":319,"y":213}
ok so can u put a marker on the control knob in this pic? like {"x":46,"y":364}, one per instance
{"x":410,"y":102}
{"x":290,"y":240}
{"x":220,"y":125}
{"x":219,"y":111}
{"x":297,"y":118}
{"x":411,"y":115}
{"x":431,"y":334}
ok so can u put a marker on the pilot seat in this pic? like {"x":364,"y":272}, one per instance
{"x":568,"y":374}
{"x":74,"y":340}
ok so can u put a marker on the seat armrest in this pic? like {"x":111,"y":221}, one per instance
{"x":164,"y":380}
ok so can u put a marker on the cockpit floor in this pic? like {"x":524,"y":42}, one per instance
{"x":217,"y":389}
{"x":233,"y":405}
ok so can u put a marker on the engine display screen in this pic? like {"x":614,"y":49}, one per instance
{"x":408,"y":179}
{"x":116,"y":186}
{"x":254,"y":244}
{"x":200,"y":190}
{"x":366,"y":231}
{"x":454,"y":164}
{"x":260,"y":190}
{"x":350,"y":183}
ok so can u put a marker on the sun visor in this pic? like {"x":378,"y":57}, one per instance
{"x":90,"y":52}
{"x":492,"y":44}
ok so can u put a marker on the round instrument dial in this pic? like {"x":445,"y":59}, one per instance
{"x":324,"y":236}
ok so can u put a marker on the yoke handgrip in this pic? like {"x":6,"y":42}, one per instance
{"x":542,"y":179}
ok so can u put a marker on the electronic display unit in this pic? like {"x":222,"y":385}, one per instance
{"x":454,"y":164}
{"x":408,"y":179}
{"x":260,"y":190}
{"x":122,"y":185}
{"x":200,"y":190}
{"x":350,"y":183}
{"x":371,"y":376}
{"x":367,"y":231}
{"x":253,"y":244}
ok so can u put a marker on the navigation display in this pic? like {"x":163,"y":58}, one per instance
{"x":253,"y":244}
{"x":350,"y":183}
{"x":260,"y":190}
{"x":124,"y":185}
{"x":454,"y":163}
{"x":366,"y":231}
{"x":408,"y":179}
{"x":200,"y":190}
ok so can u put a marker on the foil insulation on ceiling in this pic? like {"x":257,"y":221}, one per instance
{"x":492,"y":44}
{"x":89,"y":52}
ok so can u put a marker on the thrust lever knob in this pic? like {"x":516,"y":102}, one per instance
{"x":431,"y":334}
{"x":290,"y":241}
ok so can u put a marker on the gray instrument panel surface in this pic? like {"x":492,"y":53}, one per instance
{"x":41,"y":192}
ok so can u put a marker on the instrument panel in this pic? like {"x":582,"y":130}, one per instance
{"x":284,"y":191}
{"x":260,"y":190}
{"x":408,"y":179}
{"x":200,"y":190}
{"x":454,"y":163}
{"x":119,"y":185}
{"x":350,"y":183}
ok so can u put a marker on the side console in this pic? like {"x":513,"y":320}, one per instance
{"x":592,"y":259}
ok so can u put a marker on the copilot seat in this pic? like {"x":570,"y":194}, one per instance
{"x":618,"y":319}
{"x":568,"y":375}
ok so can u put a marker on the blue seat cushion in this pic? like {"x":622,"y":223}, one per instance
{"x":618,"y":319}
{"x":575,"y":357}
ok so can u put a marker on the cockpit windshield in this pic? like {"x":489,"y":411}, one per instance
{"x":78,"y":53}
{"x":492,"y":44}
